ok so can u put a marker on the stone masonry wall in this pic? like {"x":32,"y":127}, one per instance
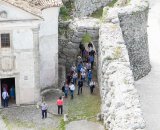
{"x":134,"y":27}
{"x":69,"y":44}
{"x":87,"y":7}
{"x":120,"y":101}
{"x":69,"y":41}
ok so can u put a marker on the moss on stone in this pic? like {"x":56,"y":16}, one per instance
{"x":97,"y":14}
{"x":117,"y":52}
{"x":111,"y":4}
{"x":105,"y":12}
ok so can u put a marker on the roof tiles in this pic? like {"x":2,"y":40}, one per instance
{"x":34,"y":6}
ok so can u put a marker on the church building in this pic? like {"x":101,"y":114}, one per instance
{"x":28,"y":47}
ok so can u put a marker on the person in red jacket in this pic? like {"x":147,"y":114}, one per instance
{"x":60,"y":105}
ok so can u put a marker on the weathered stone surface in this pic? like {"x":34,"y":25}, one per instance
{"x":120,"y":101}
{"x":87,"y":7}
{"x":69,"y":47}
{"x":134,"y":28}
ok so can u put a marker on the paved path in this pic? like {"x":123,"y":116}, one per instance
{"x":84,"y":125}
{"x":149,"y":86}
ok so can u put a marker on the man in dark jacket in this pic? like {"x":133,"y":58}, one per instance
{"x":82,"y":48}
{"x":80,"y":85}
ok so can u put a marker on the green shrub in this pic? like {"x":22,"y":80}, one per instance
{"x":65,"y":11}
{"x":86,"y":38}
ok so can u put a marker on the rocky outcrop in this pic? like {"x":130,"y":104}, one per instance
{"x":69,"y":40}
{"x":87,"y":7}
{"x":120,"y":101}
{"x":69,"y":44}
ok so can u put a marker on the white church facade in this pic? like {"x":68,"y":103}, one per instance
{"x":29,"y":47}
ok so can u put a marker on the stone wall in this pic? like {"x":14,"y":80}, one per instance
{"x":120,"y":101}
{"x":70,"y":40}
{"x":87,"y":7}
{"x":134,"y":27}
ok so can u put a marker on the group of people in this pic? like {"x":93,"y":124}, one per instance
{"x":7,"y":94}
{"x":80,"y":72}
{"x":88,"y":55}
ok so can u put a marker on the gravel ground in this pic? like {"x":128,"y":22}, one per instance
{"x":2,"y":125}
{"x":84,"y":125}
{"x":29,"y":117}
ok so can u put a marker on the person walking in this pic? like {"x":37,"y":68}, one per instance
{"x":88,"y":66}
{"x":69,"y":78}
{"x":12,"y":92}
{"x":92,"y":53}
{"x":89,"y":77}
{"x":66,"y":90}
{"x":63,"y":87}
{"x":5,"y":86}
{"x":83,"y":76}
{"x":92,"y":86}
{"x":44,"y":107}
{"x":82,"y":48}
{"x":72,"y":88}
{"x":91,"y":60}
{"x":73,"y":68}
{"x":90,"y":45}
{"x":79,"y":69}
{"x":5,"y":98}
{"x":60,"y":105}
{"x":85,"y":55}
{"x":75,"y":76}
{"x":80,"y":85}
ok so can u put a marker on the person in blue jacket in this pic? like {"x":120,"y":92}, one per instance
{"x":89,"y":76}
{"x":12,"y":92}
{"x":79,"y":69}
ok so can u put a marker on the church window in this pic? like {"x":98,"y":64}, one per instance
{"x":5,"y":40}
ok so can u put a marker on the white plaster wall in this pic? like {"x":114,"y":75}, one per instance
{"x":23,"y":38}
{"x":23,"y":49}
{"x":49,"y":48}
{"x":23,"y":46}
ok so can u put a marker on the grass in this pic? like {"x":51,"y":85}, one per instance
{"x":111,"y":4}
{"x":86,"y":38}
{"x":97,"y":14}
{"x":85,"y":106}
{"x":62,"y":125}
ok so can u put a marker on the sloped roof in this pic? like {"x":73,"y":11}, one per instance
{"x":34,"y":6}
